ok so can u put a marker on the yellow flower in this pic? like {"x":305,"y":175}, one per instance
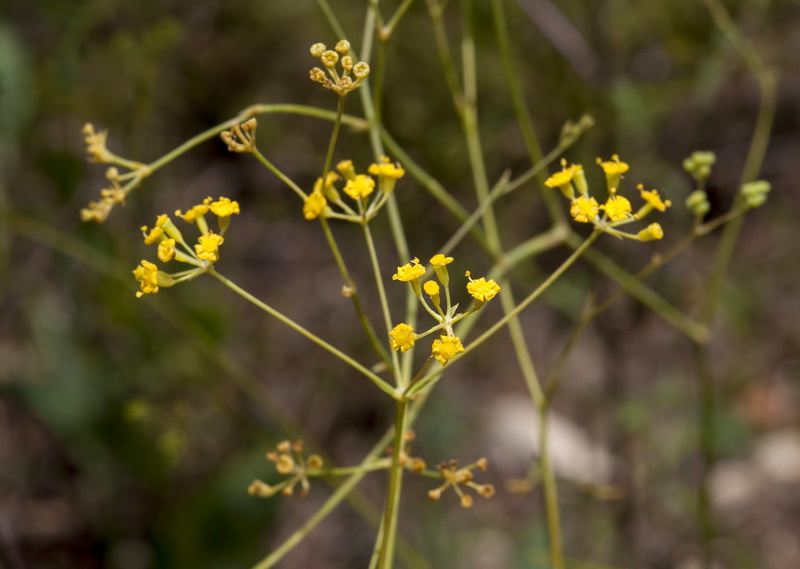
{"x":431,"y":288}
{"x":563,"y":179}
{"x":613,"y":167}
{"x":166,"y":250}
{"x":651,"y":233}
{"x":223,"y":207}
{"x":446,"y":348}
{"x":440,"y":261}
{"x":314,"y":205}
{"x":559,"y":178}
{"x":402,"y":337}
{"x":617,"y":207}
{"x":584,"y":209}
{"x":207,"y":246}
{"x":147,"y":275}
{"x":654,"y":199}
{"x":153,"y":235}
{"x":409,"y":272}
{"x":346,"y":169}
{"x":193,"y":213}
{"x":359,"y":187}
{"x":481,"y":289}
{"x":386,"y":169}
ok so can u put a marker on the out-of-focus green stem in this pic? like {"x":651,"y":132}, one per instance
{"x":375,"y":342}
{"x":387,"y":316}
{"x":521,"y":109}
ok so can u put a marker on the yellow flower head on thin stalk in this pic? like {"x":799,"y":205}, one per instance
{"x":387,"y":172}
{"x":653,"y":199}
{"x":191,"y":215}
{"x":409,"y":272}
{"x":359,"y":187}
{"x":613,"y":169}
{"x":431,"y":288}
{"x":152,"y":235}
{"x":223,"y":207}
{"x":481,"y":289}
{"x":314,"y":205}
{"x":329,"y":189}
{"x":347,"y":170}
{"x":617,"y":208}
{"x":147,"y":275}
{"x":150,"y":278}
{"x":207,"y":247}
{"x":353,"y":74}
{"x":563,"y":179}
{"x":445,"y":348}
{"x":440,"y":263}
{"x":386,"y":169}
{"x":402,"y":337}
{"x":584,"y":209}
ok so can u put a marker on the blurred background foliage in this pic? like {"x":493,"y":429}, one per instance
{"x":130,"y":429}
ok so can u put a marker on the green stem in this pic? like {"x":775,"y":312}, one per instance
{"x":380,"y":383}
{"x":334,"y":136}
{"x":374,"y":340}
{"x":550,"y":490}
{"x":521,"y":109}
{"x":283,"y":177}
{"x":387,"y":316}
{"x":386,"y":556}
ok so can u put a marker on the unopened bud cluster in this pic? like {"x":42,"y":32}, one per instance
{"x":456,"y":478}
{"x":289,"y":461}
{"x":699,"y":164}
{"x":352,"y":74}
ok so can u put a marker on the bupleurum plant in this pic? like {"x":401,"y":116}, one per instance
{"x":360,"y":195}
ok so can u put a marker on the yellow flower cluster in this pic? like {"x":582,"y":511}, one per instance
{"x":617,"y":210}
{"x":168,"y":238}
{"x":358,"y":187}
{"x":448,"y":345}
{"x":342,"y":83}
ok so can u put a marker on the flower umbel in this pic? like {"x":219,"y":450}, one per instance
{"x":455,"y":477}
{"x":344,"y":83}
{"x":289,"y":460}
